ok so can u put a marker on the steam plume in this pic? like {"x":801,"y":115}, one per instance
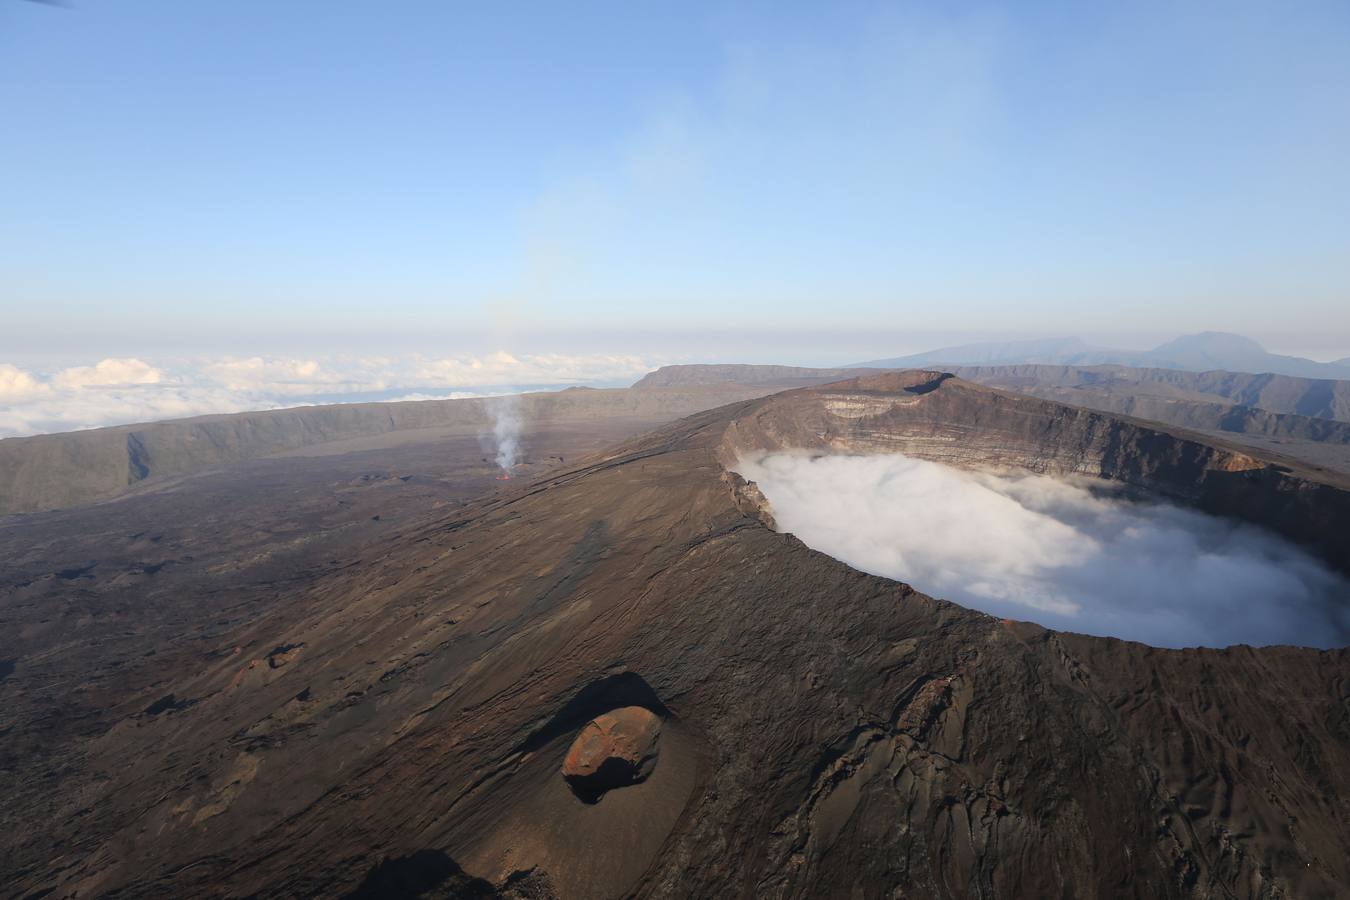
{"x":1057,"y":553}
{"x":505,"y":413}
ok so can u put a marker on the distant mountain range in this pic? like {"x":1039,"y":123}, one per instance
{"x":1206,"y":351}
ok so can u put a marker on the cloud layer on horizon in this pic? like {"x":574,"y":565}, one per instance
{"x":1054,"y":552}
{"x":120,"y":390}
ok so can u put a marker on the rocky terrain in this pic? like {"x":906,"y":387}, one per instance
{"x":1299,"y":405}
{"x":1283,"y":395}
{"x":422,"y":711}
{"x":972,"y":426}
{"x":1286,"y":415}
{"x":1307,"y":419}
{"x":53,"y":471}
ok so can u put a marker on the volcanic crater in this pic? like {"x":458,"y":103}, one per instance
{"x":619,"y":679}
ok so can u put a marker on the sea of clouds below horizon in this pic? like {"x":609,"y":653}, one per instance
{"x":127,"y":390}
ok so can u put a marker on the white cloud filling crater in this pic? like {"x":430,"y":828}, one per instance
{"x":1053,"y":551}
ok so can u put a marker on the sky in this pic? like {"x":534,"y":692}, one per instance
{"x":186,"y":185}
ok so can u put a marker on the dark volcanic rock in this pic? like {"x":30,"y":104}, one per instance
{"x":823,"y":732}
{"x":53,"y":471}
{"x":424,"y":875}
{"x":1292,"y":417}
{"x":970,"y":426}
{"x":612,"y":751}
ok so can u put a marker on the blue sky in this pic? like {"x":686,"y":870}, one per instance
{"x":872,"y":177}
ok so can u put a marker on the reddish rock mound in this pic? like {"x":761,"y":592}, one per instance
{"x":613,"y":750}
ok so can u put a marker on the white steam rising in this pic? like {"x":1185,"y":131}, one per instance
{"x":1054,"y":552}
{"x":505,"y":413}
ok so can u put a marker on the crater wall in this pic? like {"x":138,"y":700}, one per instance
{"x":935,"y":416}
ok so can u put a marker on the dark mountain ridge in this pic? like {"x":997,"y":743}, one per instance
{"x":52,"y":471}
{"x":1321,"y":398}
{"x":1307,"y":419}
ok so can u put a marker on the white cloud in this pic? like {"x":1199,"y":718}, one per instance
{"x":15,"y":382}
{"x":499,"y":369}
{"x":108,"y":372}
{"x":117,"y":391}
{"x":97,"y":407}
{"x":1055,"y":552}
{"x":292,"y":377}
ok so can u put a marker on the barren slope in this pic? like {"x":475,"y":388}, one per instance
{"x":54,"y":471}
{"x":398,"y":726}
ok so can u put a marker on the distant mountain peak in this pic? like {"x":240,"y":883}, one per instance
{"x":1212,"y":340}
{"x":1199,"y":352}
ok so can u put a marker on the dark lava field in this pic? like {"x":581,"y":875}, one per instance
{"x":363,"y":666}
